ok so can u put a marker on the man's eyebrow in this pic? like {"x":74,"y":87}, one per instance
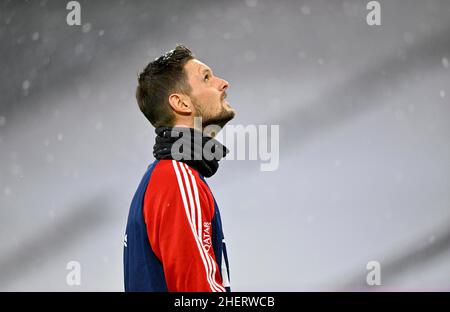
{"x":205,"y":70}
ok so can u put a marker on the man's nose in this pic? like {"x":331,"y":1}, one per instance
{"x":224,"y":84}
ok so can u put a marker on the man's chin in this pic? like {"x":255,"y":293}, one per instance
{"x":231,"y":111}
{"x":225,"y":116}
{"x":227,"y":107}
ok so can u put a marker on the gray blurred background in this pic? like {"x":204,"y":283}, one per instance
{"x":364,"y":117}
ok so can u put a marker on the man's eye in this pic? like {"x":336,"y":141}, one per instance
{"x":206,"y":77}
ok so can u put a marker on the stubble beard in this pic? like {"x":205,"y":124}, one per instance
{"x":220,"y":119}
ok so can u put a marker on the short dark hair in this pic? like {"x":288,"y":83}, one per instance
{"x":160,"y":78}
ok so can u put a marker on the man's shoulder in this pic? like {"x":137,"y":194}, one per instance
{"x":171,"y":172}
{"x":176,"y":180}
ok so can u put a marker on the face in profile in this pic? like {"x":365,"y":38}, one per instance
{"x":208,"y":93}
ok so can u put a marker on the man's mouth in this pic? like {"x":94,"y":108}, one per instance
{"x":224,"y":101}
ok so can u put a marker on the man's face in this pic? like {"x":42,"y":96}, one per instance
{"x":208,"y":94}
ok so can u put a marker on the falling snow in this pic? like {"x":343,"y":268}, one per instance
{"x":26,"y":85}
{"x":305,"y":10}
{"x":51,"y":214}
{"x":251,"y":3}
{"x":302,"y":55}
{"x":250,"y":56}
{"x":87,"y":27}
{"x":7,"y":191}
{"x":432,"y":239}
{"x":49,"y":158}
{"x":445,"y":62}
{"x":99,"y":126}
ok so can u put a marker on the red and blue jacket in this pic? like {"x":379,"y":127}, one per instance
{"x":174,"y":239}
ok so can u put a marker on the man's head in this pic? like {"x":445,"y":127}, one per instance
{"x":176,"y":87}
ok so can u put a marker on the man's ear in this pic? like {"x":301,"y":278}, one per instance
{"x":180,"y":103}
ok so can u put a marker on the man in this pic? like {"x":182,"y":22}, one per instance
{"x":174,"y":239}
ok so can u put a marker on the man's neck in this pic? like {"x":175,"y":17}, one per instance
{"x":182,"y":125}
{"x":190,"y":126}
